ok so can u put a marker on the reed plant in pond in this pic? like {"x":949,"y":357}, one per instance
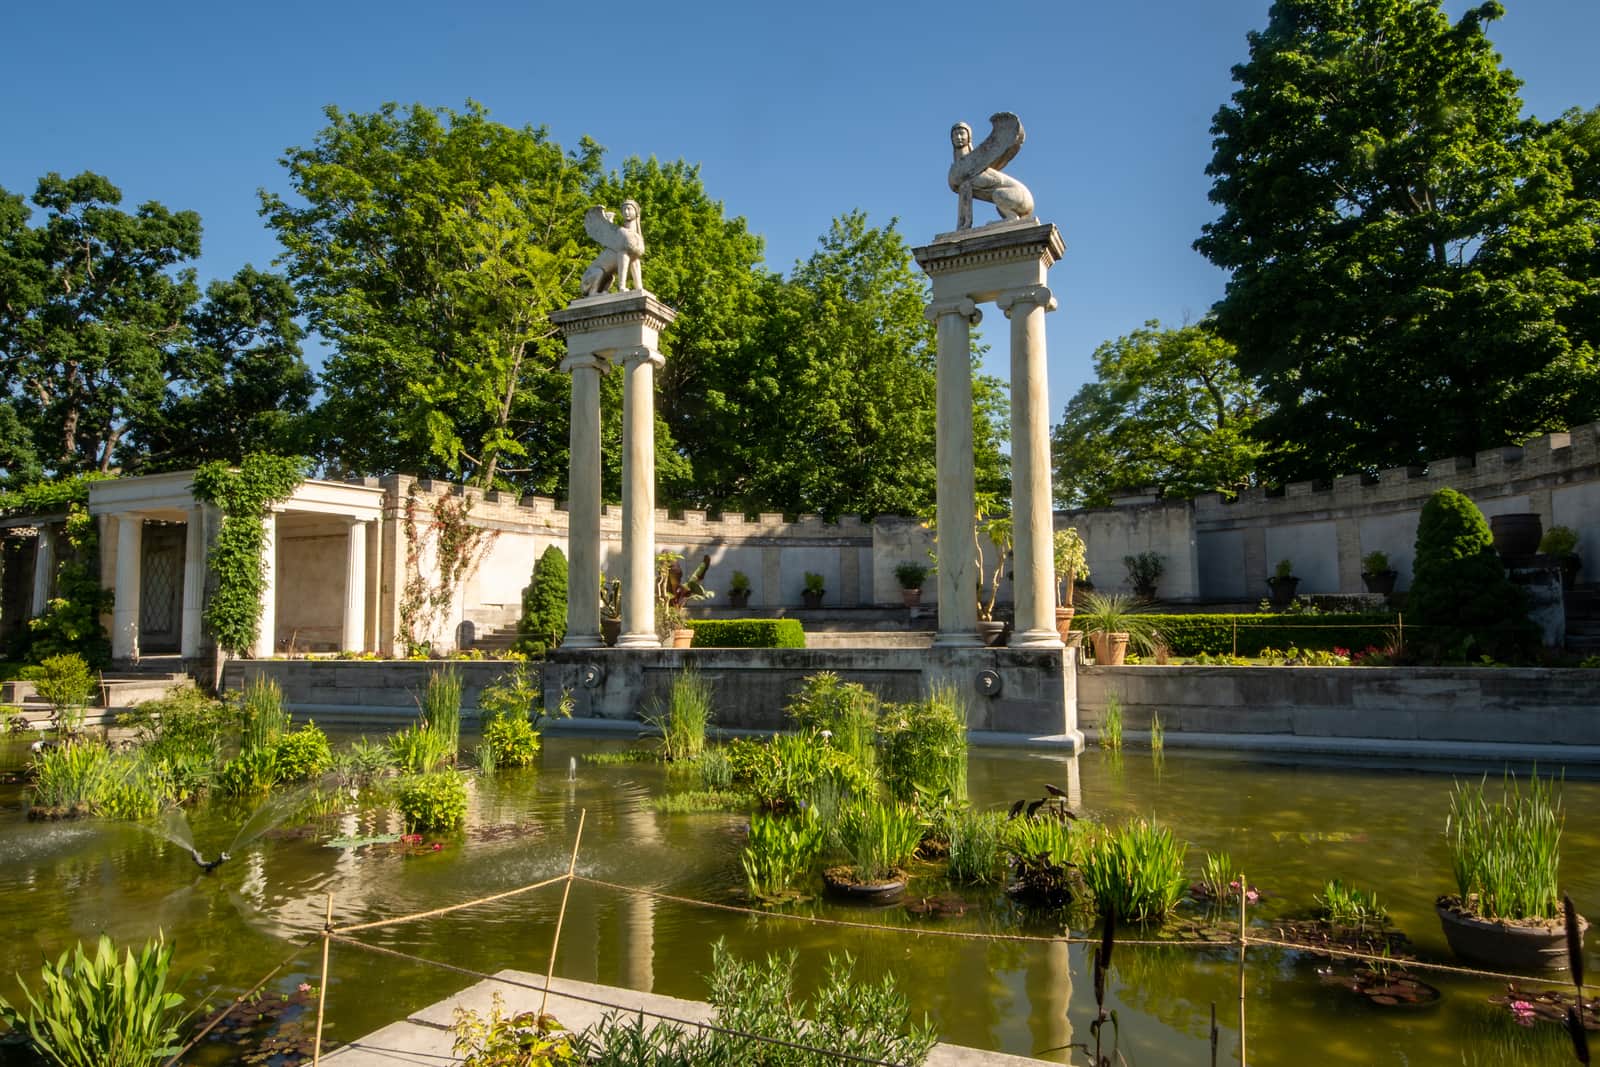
{"x":975,"y":838}
{"x":263,"y":718}
{"x":1506,"y":854}
{"x":1349,"y":905}
{"x":923,"y":746}
{"x":1111,"y":725}
{"x":879,"y":838}
{"x":780,"y":852}
{"x":441,"y":708}
{"x":1219,"y":878}
{"x":74,"y":777}
{"x":1137,"y":871}
{"x":846,"y":713}
{"x":683,"y":727}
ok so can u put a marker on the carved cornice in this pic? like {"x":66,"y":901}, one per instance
{"x":586,"y":361}
{"x":1006,"y":242}
{"x":635,"y":307}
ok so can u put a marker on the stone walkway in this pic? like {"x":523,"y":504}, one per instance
{"x":424,"y":1038}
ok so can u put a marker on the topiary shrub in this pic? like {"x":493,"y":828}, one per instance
{"x":748,"y":633}
{"x":1461,"y":601}
{"x":544,"y":604}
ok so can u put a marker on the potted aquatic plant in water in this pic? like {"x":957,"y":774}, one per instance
{"x":1283,"y":583}
{"x":1376,"y":573}
{"x":1113,"y":623}
{"x":879,"y":838}
{"x":911,"y":575}
{"x":739,"y":590}
{"x":1070,"y":568}
{"x":1506,"y":858}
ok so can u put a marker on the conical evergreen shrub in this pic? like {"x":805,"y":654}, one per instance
{"x":1461,"y":601}
{"x":544,"y":604}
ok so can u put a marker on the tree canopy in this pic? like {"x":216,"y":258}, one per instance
{"x":1168,"y":409}
{"x":1412,"y":265}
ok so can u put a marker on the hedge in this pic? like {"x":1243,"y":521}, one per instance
{"x":1190,"y":635}
{"x":748,"y":633}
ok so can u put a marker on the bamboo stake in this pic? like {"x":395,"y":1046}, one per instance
{"x":322,"y":990}
{"x":572,"y":868}
{"x":1244,"y":888}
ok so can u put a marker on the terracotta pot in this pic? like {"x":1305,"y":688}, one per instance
{"x":610,"y":630}
{"x":1064,"y":622}
{"x":1519,"y":946}
{"x":841,"y":882}
{"x":911,"y":598}
{"x":682,"y":638}
{"x":1380,"y":584}
{"x":1110,"y":649}
{"x":1517,"y":533}
{"x":992,"y":632}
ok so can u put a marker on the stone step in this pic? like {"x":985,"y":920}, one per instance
{"x":869,"y":639}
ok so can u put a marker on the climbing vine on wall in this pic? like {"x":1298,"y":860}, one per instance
{"x":71,"y":618}
{"x":459,"y":547}
{"x":243,"y":495}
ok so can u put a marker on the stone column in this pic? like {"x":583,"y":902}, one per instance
{"x":267,"y":635}
{"x":194,"y":583}
{"x":583,"y":503}
{"x":625,"y":326}
{"x":955,"y":543}
{"x":639,"y":497}
{"x":355,"y":590}
{"x":125,"y":609}
{"x":44,"y":570}
{"x":1033,"y":550}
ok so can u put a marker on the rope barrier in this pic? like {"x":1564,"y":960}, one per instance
{"x":414,"y":916}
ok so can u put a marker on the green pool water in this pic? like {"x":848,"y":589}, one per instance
{"x":1288,"y":825}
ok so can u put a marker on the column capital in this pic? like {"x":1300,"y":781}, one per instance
{"x":639,"y":354}
{"x":586,"y":361}
{"x":1038,"y":295}
{"x":964,"y":307}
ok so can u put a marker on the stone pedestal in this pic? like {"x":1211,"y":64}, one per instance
{"x":1004,"y":262}
{"x":624,"y":327}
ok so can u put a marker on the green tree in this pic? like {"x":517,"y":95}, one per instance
{"x":428,"y":247}
{"x":544,"y":604}
{"x":1401,"y":240}
{"x":1168,"y":409}
{"x":1461,"y":602}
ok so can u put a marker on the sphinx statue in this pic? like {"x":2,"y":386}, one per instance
{"x":622,"y":246}
{"x":978,"y":173}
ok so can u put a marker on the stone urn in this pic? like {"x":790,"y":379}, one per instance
{"x":992,"y":632}
{"x":683,"y":638}
{"x":1380,"y":584}
{"x":1516,"y":533}
{"x":739,"y":598}
{"x":1521,"y":946}
{"x":1064,"y":623}
{"x":1283,"y":590}
{"x":610,"y":630}
{"x":1110,"y":649}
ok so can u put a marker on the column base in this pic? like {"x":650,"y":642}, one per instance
{"x":957,"y":640}
{"x":639,"y":640}
{"x":1036,"y":639}
{"x":582,"y":641}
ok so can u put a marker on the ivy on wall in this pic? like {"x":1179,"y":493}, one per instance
{"x":71,"y":619}
{"x":243,"y":494}
{"x":459,"y":547}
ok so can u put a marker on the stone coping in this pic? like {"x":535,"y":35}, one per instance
{"x":425,"y":1038}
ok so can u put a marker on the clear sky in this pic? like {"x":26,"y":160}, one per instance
{"x":797,"y":113}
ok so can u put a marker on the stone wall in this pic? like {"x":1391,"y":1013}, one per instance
{"x":1427,"y":704}
{"x":387,"y":691}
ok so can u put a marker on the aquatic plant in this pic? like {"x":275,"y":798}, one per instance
{"x":1348,"y":905}
{"x":1506,"y":856}
{"x":1219,"y":878}
{"x":792,"y":769}
{"x":1158,"y":733}
{"x":923,"y":745}
{"x":716,"y":769}
{"x":102,"y":1010}
{"x":683,"y":726}
{"x":1046,"y":854}
{"x":185,"y":724}
{"x":699,"y":801}
{"x":73,"y":777}
{"x":441,"y":709}
{"x":974,"y":838}
{"x":251,"y":772}
{"x":879,"y":838}
{"x":1137,"y":871}
{"x":363,"y":763}
{"x":526,"y":1039}
{"x":302,"y":754}
{"x":1111,"y":725}
{"x":262,"y":715}
{"x":780,"y":851}
{"x":845,"y":712}
{"x":509,"y":741}
{"x":436,"y":801}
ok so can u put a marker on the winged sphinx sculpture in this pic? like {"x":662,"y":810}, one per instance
{"x":622,"y":246}
{"x":977,"y":173}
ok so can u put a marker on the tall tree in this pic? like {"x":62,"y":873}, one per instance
{"x":429,"y":247}
{"x":1167,"y":409}
{"x":1400,"y":238}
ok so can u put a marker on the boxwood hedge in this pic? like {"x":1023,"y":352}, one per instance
{"x":748,"y":633}
{"x":1190,"y":635}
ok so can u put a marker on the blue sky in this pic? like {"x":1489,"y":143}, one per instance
{"x":796,"y":113}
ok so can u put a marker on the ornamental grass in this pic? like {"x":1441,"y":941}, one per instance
{"x":1506,"y":855}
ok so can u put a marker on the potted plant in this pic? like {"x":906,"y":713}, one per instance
{"x":610,"y":609}
{"x":1376,"y":573}
{"x":1562,"y":543}
{"x":879,"y":838}
{"x":739,"y":590}
{"x":911,"y":575}
{"x":811,"y":595}
{"x":1113,"y":623}
{"x":673,"y":591}
{"x":998,"y":529}
{"x":1070,"y":553}
{"x":1144,"y":571}
{"x":1283,"y":583}
{"x":1506,"y":856}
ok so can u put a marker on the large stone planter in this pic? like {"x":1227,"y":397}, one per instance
{"x":1516,"y":533}
{"x":1506,"y":945}
{"x":1382,"y":583}
{"x":1110,"y":649}
{"x":739,"y":599}
{"x":911,"y":598}
{"x":1283,"y":590}
{"x":811,"y":599}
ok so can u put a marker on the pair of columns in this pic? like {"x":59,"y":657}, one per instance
{"x":353,"y":637}
{"x":129,"y":584}
{"x":1006,"y":263}
{"x":622,"y":328}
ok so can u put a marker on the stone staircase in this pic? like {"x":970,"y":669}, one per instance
{"x":1583,"y":619}
{"x":119,"y":690}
